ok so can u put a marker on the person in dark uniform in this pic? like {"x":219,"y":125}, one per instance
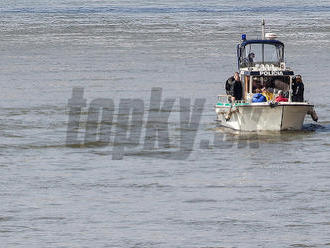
{"x":236,"y":88}
{"x":249,"y":60}
{"x":251,"y":57}
{"x":229,"y":85}
{"x":298,"y":90}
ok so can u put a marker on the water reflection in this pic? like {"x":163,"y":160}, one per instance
{"x":227,"y":137}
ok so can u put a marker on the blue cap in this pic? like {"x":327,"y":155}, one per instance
{"x":243,"y":36}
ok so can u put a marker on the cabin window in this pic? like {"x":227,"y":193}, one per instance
{"x":273,"y":83}
{"x":258,"y":53}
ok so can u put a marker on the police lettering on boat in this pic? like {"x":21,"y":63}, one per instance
{"x":271,"y":73}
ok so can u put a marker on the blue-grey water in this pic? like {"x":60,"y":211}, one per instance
{"x":52,"y":195}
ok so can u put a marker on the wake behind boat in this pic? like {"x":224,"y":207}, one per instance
{"x":268,"y":97}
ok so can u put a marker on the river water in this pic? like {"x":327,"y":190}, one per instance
{"x":274,"y":195}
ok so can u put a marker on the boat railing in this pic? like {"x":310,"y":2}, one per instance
{"x":224,"y":98}
{"x":228,"y":99}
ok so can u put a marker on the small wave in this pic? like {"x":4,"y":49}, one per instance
{"x":149,"y":185}
{"x":49,"y":218}
{"x":6,"y":218}
{"x":199,"y":200}
{"x":302,"y":245}
{"x":320,"y":127}
{"x":35,"y":146}
{"x":313,"y":127}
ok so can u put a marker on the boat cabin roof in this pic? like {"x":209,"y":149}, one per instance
{"x":271,"y":42}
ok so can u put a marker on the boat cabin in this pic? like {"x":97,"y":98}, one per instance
{"x":255,"y":53}
{"x":261,"y":64}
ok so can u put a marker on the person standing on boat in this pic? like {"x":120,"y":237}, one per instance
{"x":249,"y":60}
{"x":229,"y":85}
{"x":236,"y":88}
{"x":251,"y":57}
{"x":298,"y":90}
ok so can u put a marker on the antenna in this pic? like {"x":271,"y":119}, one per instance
{"x":263,"y":29}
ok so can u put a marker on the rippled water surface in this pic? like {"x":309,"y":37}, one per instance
{"x":236,"y":195}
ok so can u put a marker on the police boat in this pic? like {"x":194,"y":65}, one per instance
{"x":261,"y":66}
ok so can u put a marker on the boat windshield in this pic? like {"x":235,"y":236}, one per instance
{"x":272,"y":83}
{"x":260,"y":53}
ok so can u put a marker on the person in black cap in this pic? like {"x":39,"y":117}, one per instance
{"x":298,"y":90}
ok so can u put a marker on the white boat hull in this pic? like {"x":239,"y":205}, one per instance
{"x":264,"y":117}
